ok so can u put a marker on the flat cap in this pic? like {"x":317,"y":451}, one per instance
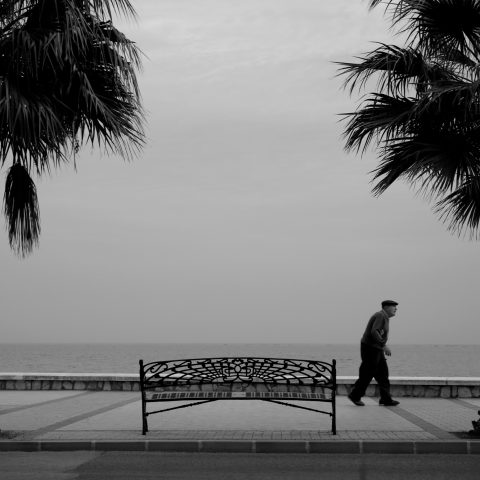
{"x":386,"y":303}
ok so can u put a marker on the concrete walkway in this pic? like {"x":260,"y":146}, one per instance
{"x":100,"y":420}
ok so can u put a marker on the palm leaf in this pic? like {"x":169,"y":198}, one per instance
{"x":381,"y":117}
{"x":435,"y":162}
{"x":21,"y":210}
{"x":399,"y":70}
{"x":461,"y":208}
{"x":436,"y":26}
{"x":447,"y":25}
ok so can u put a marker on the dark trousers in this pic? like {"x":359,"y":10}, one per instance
{"x":374,"y":365}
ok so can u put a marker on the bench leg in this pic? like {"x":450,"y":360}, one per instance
{"x":334,"y":417}
{"x":144,"y":425}
{"x":144,"y":418}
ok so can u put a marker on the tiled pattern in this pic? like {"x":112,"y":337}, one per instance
{"x":17,"y":398}
{"x":473,"y":401}
{"x":446,"y":414}
{"x":44,"y":415}
{"x":235,"y":435}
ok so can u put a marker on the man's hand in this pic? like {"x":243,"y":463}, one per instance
{"x":387,"y":351}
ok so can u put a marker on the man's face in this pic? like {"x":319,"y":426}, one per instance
{"x":390,"y":310}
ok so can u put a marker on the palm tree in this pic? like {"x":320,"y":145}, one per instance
{"x":425,"y":114}
{"x":67,"y":77}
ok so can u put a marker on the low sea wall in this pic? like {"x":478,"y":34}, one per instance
{"x":443,"y":387}
{"x":430,"y":387}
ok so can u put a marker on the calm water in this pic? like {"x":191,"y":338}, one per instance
{"x":407,"y":360}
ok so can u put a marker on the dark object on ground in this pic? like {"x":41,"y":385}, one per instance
{"x":476,"y":427}
{"x":238,"y":378}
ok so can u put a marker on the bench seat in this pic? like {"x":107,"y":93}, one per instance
{"x":188,"y":395}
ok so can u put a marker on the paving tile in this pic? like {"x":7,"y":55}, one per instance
{"x":445,"y":414}
{"x":11,"y":398}
{"x":234,"y":435}
{"x":46,"y":414}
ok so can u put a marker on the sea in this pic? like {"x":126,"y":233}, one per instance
{"x":406,"y":360}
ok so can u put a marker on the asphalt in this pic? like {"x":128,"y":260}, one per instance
{"x":108,"y":421}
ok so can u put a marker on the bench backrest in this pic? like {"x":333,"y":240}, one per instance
{"x":237,"y":370}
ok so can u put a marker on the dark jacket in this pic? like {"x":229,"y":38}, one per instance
{"x":376,"y":333}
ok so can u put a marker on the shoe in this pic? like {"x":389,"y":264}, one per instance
{"x":389,"y":403}
{"x":358,"y":403}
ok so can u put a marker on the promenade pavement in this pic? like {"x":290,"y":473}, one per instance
{"x":109,"y":420}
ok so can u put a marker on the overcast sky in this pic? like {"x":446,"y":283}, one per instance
{"x":243,"y":220}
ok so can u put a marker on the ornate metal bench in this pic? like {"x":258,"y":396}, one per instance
{"x":203,"y":380}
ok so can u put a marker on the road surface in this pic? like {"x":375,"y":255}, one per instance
{"x":235,"y":466}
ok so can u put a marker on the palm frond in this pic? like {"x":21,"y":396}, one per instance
{"x":29,"y":126}
{"x":399,"y":160}
{"x":399,"y":70}
{"x":21,"y":210}
{"x":459,"y":100}
{"x":435,"y":26}
{"x":106,"y":8}
{"x":442,"y":25}
{"x":381,"y":117}
{"x":461,"y":208}
{"x":435,"y":162}
{"x":83,"y":68}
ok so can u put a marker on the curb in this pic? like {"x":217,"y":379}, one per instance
{"x":463,"y":447}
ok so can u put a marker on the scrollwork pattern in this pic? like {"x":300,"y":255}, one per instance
{"x":239,"y":369}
